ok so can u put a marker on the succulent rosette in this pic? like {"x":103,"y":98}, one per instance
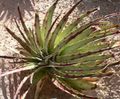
{"x":71,"y":54}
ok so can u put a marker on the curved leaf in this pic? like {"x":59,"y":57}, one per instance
{"x":38,"y":75}
{"x":60,"y":26}
{"x":72,"y":26}
{"x":21,"y":42}
{"x":78,"y":84}
{"x":48,"y":20}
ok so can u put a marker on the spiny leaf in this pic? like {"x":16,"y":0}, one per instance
{"x":83,"y":35}
{"x":73,"y":92}
{"x":78,"y":74}
{"x":21,"y":33}
{"x":73,"y":35}
{"x":74,"y":73}
{"x":16,"y":71}
{"x":28,"y":59}
{"x":86,"y":63}
{"x":107,"y":29}
{"x":38,"y":31}
{"x":73,"y":25}
{"x":21,"y":42}
{"x":92,"y":31}
{"x":48,"y":19}
{"x":26,"y":31}
{"x":81,"y":55}
{"x":25,"y":53}
{"x":96,"y":74}
{"x":84,"y":42}
{"x":60,"y":26}
{"x":94,"y":57}
{"x":93,"y":46}
{"x":34,"y":45}
{"x":49,"y":33}
{"x":91,"y":79}
{"x":78,"y":84}
{"x":38,"y":75}
{"x":23,"y":25}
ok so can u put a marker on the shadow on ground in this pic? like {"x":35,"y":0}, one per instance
{"x":8,"y":8}
{"x":106,"y":7}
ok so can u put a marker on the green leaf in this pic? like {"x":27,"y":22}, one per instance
{"x":93,"y":46}
{"x":87,"y":63}
{"x":33,"y":44}
{"x":78,"y":84}
{"x":48,"y":20}
{"x":72,"y":48}
{"x":72,"y":26}
{"x":108,"y":29}
{"x":94,"y":58}
{"x":72,"y":36}
{"x":49,"y":34}
{"x":96,"y":73}
{"x":77,"y":94}
{"x":24,"y":26}
{"x":24,"y":37}
{"x":38,"y":75}
{"x":85,"y":52}
{"x":60,"y":26}
{"x":85,"y":34}
{"x":100,"y":71}
{"x":21,"y":42}
{"x":68,"y":58}
{"x":38,"y":31}
{"x":91,"y":32}
{"x":29,"y":34}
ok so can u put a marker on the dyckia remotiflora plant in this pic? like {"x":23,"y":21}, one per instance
{"x":70,"y":54}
